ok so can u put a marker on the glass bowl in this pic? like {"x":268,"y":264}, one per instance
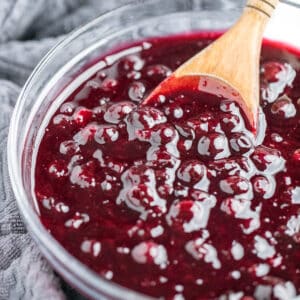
{"x":59,"y":73}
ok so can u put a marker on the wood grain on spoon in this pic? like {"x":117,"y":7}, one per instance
{"x":229,"y":67}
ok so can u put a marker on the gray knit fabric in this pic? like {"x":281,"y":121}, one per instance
{"x":28,"y":29}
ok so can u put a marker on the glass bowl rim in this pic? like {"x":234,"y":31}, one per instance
{"x":48,"y":245}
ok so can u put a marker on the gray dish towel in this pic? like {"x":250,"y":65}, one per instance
{"x":28,"y":29}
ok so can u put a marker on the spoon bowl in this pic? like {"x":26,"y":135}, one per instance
{"x":229,"y":67}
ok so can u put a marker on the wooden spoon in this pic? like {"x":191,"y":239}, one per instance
{"x":229,"y":67}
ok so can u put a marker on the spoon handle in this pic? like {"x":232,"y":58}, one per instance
{"x":265,"y":7}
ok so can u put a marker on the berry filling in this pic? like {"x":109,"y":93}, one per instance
{"x":178,"y":200}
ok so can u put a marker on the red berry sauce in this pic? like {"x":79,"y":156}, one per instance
{"x":178,"y":200}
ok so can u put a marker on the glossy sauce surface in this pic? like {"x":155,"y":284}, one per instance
{"x":178,"y":200}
